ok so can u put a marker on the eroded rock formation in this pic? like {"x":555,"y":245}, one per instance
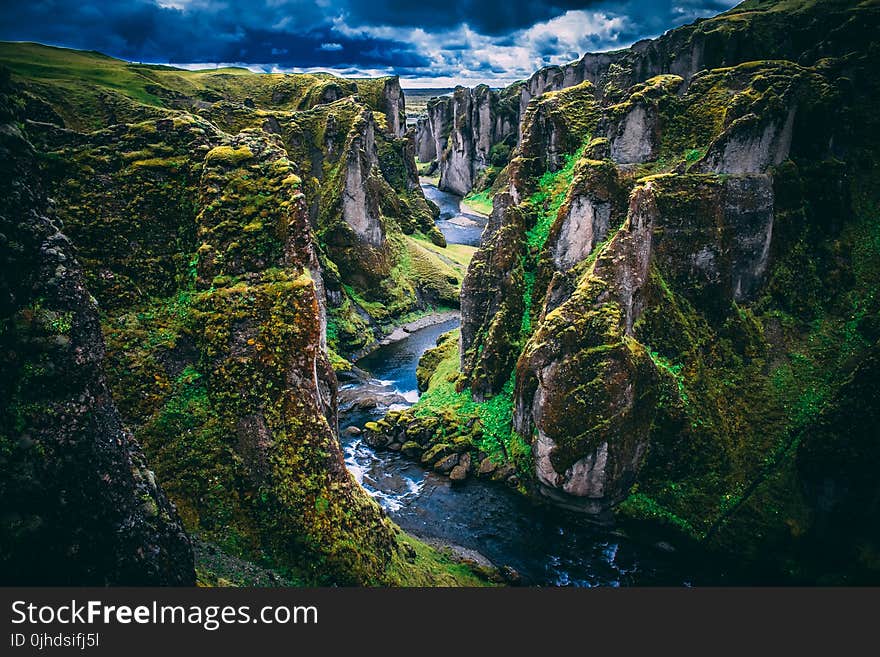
{"x":80,"y":504}
{"x":237,"y":235}
{"x":659,"y":267}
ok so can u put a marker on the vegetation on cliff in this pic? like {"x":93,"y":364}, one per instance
{"x":673,"y":316}
{"x":227,"y":223}
{"x":679,"y":290}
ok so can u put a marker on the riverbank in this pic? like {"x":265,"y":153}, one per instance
{"x":403,"y":331}
{"x":478,"y":203}
{"x":543,"y":545}
{"x":459,"y":225}
{"x":400,"y":332}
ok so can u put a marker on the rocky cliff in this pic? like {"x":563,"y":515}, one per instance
{"x":460,"y":132}
{"x":677,"y":289}
{"x":237,"y":232}
{"x":752,"y":31}
{"x":80,"y":505}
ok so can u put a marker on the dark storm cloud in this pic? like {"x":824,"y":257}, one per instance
{"x":287,"y":33}
{"x":491,"y":17}
{"x":418,"y":38}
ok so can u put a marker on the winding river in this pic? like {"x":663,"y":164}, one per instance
{"x":546,"y":546}
{"x":457,"y":225}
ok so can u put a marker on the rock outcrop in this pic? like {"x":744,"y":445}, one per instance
{"x":460,"y":131}
{"x":587,"y":352}
{"x":674,"y":220}
{"x":80,"y":504}
{"x":492,"y":296}
{"x":385,"y":96}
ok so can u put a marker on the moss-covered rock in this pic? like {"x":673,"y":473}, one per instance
{"x":668,"y":367}
{"x":80,"y":505}
{"x":493,"y":301}
{"x":231,"y":229}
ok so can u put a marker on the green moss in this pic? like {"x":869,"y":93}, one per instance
{"x":417,"y":564}
{"x":490,"y":420}
{"x":641,"y":507}
{"x":553,"y":187}
{"x":228,"y":155}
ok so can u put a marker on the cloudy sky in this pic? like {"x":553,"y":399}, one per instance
{"x":429,"y":43}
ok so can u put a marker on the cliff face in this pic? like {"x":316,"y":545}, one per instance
{"x":683,"y":237}
{"x":459,"y":131}
{"x":80,"y":505}
{"x":236,"y":236}
{"x":385,"y":96}
{"x":754,"y":30}
{"x":587,"y":387}
{"x":492,"y":300}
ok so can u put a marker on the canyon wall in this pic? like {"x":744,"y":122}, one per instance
{"x":80,"y":505}
{"x":729,"y":39}
{"x":237,"y":237}
{"x":677,"y":289}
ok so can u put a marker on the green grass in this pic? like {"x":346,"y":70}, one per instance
{"x":526,"y":327}
{"x":427,"y":566}
{"x":495,"y":415}
{"x":459,"y":254}
{"x":642,"y":507}
{"x":479,"y":201}
{"x":76,"y":84}
{"x":673,"y":370}
{"x":552,"y":189}
{"x":41,"y":62}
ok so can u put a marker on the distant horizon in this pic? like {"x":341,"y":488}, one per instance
{"x":428,"y":45}
{"x":405,"y":83}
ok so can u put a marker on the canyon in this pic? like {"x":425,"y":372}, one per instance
{"x":668,"y":334}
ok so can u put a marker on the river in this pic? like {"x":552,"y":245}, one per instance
{"x":457,"y":225}
{"x":545,"y":545}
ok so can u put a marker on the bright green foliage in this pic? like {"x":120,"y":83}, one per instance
{"x":480,"y":201}
{"x":492,"y":431}
{"x":553,"y":187}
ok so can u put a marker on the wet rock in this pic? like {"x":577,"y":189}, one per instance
{"x":355,"y":374}
{"x":438,"y":452}
{"x":458,"y":473}
{"x":487,"y":467}
{"x":503,"y":472}
{"x":368,"y":396}
{"x":510,"y":575}
{"x":411,"y":449}
{"x":446,"y":464}
{"x":462,"y":469}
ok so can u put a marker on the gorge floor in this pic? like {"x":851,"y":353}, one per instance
{"x":458,"y":225}
{"x":546,"y":546}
